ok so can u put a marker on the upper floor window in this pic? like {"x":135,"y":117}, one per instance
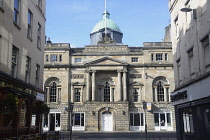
{"x":1,"y":4}
{"x":40,"y":4}
{"x":134,"y":59}
{"x":30,"y":16}
{"x":159,"y":56}
{"x":77,"y":93}
{"x":152,"y":56}
{"x":166,"y":56}
{"x":176,"y":26}
{"x":135,"y":95}
{"x":28,"y":69}
{"x":78,"y":60}
{"x":190,"y":61}
{"x":17,"y":11}
{"x":107,"y":92}
{"x":60,"y":57}
{"x":206,"y":51}
{"x":14,"y":61}
{"x":37,"y":75}
{"x":53,"y":58}
{"x":46,"y":57}
{"x":39,"y":35}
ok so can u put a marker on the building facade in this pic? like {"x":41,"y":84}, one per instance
{"x":107,"y":82}
{"x":22,"y":37}
{"x":190,"y":25}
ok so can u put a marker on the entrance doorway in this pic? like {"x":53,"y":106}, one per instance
{"x":52,"y":122}
{"x":107,"y":121}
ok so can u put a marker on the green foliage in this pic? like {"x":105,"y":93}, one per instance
{"x":11,"y":102}
{"x":41,"y":109}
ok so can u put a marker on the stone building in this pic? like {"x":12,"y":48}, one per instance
{"x":22,"y":37}
{"x":107,"y":82}
{"x":190,"y":26}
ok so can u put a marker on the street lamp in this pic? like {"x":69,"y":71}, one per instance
{"x":144,"y":103}
{"x":70,"y":119}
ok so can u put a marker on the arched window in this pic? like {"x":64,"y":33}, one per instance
{"x":160,"y":92}
{"x":107,"y":92}
{"x":53,"y":92}
{"x":160,"y":87}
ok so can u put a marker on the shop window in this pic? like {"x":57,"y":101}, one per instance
{"x":136,"y":119}
{"x":188,"y":121}
{"x":78,"y":119}
{"x":57,"y":121}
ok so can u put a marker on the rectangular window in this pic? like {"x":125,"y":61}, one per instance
{"x":152,"y":56}
{"x":136,"y":119}
{"x":40,"y":4}
{"x":190,"y":61}
{"x":179,"y":71}
{"x":77,"y":93}
{"x":78,"y":60}
{"x":78,"y":119}
{"x":188,"y":121}
{"x":136,"y":95}
{"x":206,"y":50}
{"x":156,"y":119}
{"x":28,"y":69}
{"x":47,"y":58}
{"x":159,"y":57}
{"x":60,"y":57}
{"x":17,"y":11}
{"x":37,"y":75}
{"x":30,"y":17}
{"x":45,"y":121}
{"x":166,"y":56}
{"x":176,"y":26}
{"x":14,"y":61}
{"x":168,"y":116}
{"x":39,"y":36}
{"x":134,"y":59}
{"x":1,"y":4}
{"x":53,"y":58}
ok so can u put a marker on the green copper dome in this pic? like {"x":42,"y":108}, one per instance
{"x":106,"y":22}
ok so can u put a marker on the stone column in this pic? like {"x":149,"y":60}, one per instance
{"x":125,"y":98}
{"x":72,"y":94}
{"x":93,"y":85}
{"x":88,"y":86}
{"x":111,"y":94}
{"x":156,"y":97}
{"x":119,"y":85}
{"x":48,"y":94}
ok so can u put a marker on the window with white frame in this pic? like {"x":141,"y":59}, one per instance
{"x":159,"y":56}
{"x":190,"y":61}
{"x":136,"y":119}
{"x":134,"y":59}
{"x":188,"y":121}
{"x":77,"y":60}
{"x":39,"y":35}
{"x":136,"y":95}
{"x":53,"y":92}
{"x":28,"y":69}
{"x":206,"y":51}
{"x":14,"y":61}
{"x":37,"y":75}
{"x":162,"y":119}
{"x":77,"y":93}
{"x":107,"y":92}
{"x":79,"y":119}
{"x":160,"y":92}
{"x":30,"y":17}
{"x":17,"y":11}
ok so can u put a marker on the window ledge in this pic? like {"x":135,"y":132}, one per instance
{"x":16,"y":25}
{"x":1,"y":9}
{"x":39,"y":48}
{"x":29,"y":38}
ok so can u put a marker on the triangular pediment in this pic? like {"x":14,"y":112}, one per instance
{"x":106,"y":61}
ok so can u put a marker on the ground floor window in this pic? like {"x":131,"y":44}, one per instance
{"x":78,"y":121}
{"x":163,"y":120}
{"x":136,"y":121}
{"x":52,"y":122}
{"x":188,"y":120}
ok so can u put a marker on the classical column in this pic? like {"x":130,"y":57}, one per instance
{"x":119,"y":85}
{"x":125,"y":98}
{"x":93,"y":85}
{"x":88,"y":86}
{"x":111,"y":94}
{"x":156,"y":97}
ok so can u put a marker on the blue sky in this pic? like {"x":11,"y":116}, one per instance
{"x":71,"y":21}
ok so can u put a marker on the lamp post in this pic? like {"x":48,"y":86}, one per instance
{"x":144,"y":103}
{"x":70,"y":119}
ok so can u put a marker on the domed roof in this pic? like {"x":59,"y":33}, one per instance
{"x":106,"y":22}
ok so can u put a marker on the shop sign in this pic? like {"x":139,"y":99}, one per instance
{"x":40,"y":97}
{"x":179,"y":96}
{"x":149,"y":106}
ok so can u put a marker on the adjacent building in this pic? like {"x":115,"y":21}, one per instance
{"x":22,"y":37}
{"x":190,"y":34}
{"x":106,"y":82}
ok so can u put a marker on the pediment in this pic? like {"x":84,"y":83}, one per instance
{"x":106,"y":61}
{"x":136,"y":84}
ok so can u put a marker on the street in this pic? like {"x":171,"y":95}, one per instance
{"x":118,"y":136}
